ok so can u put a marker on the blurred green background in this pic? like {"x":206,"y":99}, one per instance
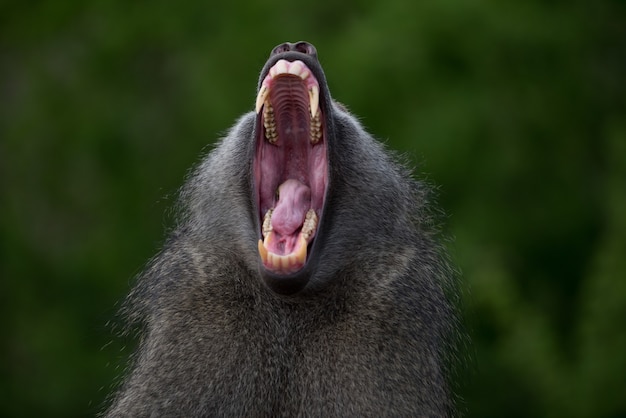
{"x":516,"y":111}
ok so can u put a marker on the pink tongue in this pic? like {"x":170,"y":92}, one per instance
{"x":294,"y":200}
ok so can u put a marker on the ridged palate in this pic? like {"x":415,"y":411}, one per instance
{"x":290,"y":102}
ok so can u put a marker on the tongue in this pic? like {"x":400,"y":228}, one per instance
{"x":294,"y":200}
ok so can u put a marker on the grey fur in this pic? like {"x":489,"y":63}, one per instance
{"x":371,"y":336}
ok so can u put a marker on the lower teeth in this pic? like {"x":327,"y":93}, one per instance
{"x":267,"y":223}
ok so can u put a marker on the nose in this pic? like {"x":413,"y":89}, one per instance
{"x":302,"y":47}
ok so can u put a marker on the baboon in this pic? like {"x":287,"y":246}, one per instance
{"x":305,"y":275}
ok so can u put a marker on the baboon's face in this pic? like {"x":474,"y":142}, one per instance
{"x":291,"y":164}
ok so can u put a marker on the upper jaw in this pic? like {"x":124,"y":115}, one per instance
{"x":293,"y":68}
{"x":310,"y":61}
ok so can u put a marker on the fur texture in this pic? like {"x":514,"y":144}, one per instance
{"x":369,"y":337}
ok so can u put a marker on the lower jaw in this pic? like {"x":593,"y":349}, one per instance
{"x":286,"y":284}
{"x":287,"y":263}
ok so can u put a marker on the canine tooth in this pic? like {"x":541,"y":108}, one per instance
{"x":262,"y":252}
{"x":281,"y":67}
{"x":300,"y":256}
{"x":314,"y":99}
{"x":261,"y":97}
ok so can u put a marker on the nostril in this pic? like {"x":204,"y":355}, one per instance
{"x":302,"y":47}
{"x":305,"y":48}
{"x":281,"y":48}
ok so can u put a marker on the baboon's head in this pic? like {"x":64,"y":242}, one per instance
{"x":291,"y":165}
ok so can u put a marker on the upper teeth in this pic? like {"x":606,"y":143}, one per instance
{"x":269,"y":124}
{"x":314,"y":99}
{"x":261,"y":97}
{"x":296,"y":68}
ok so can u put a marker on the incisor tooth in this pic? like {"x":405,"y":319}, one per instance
{"x":314,"y":99}
{"x":281,"y":67}
{"x":295,"y":68}
{"x":260,"y":98}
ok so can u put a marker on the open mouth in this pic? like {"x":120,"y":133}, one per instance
{"x":290,"y":166}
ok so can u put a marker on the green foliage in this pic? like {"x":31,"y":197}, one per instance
{"x":515,"y":109}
